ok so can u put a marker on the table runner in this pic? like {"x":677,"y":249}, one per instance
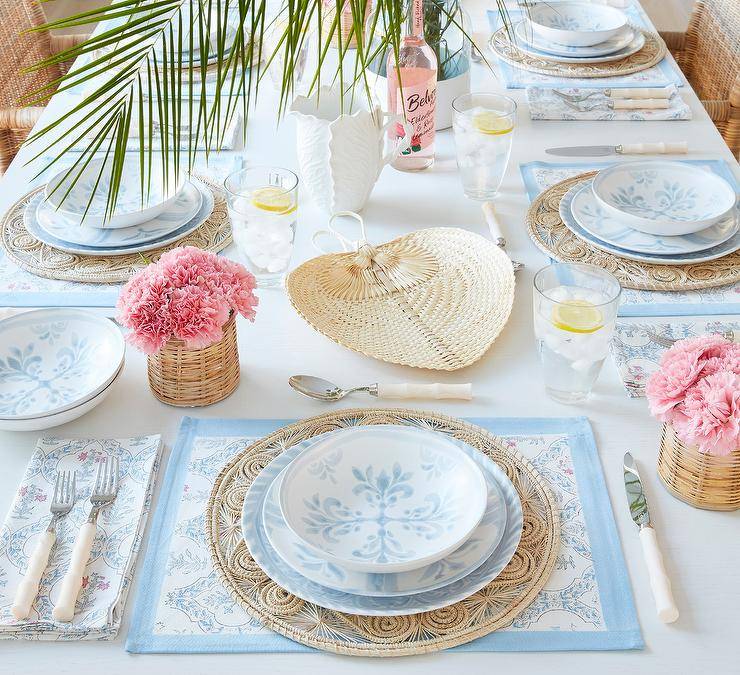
{"x":660,"y":75}
{"x":539,"y":176}
{"x":181,"y":606}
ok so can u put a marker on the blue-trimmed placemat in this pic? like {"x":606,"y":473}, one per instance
{"x":539,"y":176}
{"x":660,"y":75}
{"x":181,"y":606}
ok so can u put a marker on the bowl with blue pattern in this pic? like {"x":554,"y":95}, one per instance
{"x":383,"y":498}
{"x":575,"y":24}
{"x":664,"y":198}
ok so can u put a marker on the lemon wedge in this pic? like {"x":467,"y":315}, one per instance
{"x":577,"y":316}
{"x":489,"y":122}
{"x":273,"y":199}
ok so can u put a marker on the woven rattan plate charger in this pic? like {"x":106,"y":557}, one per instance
{"x":435,"y":298}
{"x":46,"y":261}
{"x":554,"y":238}
{"x":493,"y":607}
{"x":652,"y":53}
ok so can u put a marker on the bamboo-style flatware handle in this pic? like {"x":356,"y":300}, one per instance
{"x":29,"y":586}
{"x":674,"y":148}
{"x":640,"y":104}
{"x":64,"y":610}
{"x":659,"y":581}
{"x":427,"y":391}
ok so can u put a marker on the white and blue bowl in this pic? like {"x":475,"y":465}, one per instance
{"x":576,"y":24}
{"x":383,"y":498}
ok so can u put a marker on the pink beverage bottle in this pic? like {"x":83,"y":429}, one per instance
{"x":415,"y":96}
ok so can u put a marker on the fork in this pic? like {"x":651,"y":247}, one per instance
{"x":103,"y":493}
{"x":638,"y":93}
{"x":730,"y":335}
{"x":65,"y":488}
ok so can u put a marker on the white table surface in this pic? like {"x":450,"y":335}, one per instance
{"x":702,"y":549}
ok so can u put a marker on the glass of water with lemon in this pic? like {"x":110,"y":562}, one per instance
{"x":575,"y":308}
{"x":263,"y":207}
{"x":484,"y":126}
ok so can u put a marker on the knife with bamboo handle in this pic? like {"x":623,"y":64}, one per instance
{"x":676,"y":147}
{"x":639,"y":103}
{"x":641,"y":93}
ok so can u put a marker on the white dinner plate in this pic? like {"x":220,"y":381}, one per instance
{"x":597,"y":221}
{"x":624,"y":37}
{"x":34,"y":228}
{"x":566,"y":215}
{"x":285,"y":576}
{"x":478,"y":548}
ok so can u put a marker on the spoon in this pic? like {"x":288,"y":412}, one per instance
{"x":323,"y":390}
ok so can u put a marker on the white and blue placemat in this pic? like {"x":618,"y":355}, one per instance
{"x":660,"y":75}
{"x":539,"y":176}
{"x":181,"y":606}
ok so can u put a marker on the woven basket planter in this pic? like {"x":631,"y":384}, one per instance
{"x":196,"y":377}
{"x":704,"y":481}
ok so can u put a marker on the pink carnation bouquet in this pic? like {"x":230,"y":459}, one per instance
{"x":697,"y":390}
{"x":188,"y":294}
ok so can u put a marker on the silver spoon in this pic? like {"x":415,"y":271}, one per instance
{"x":323,"y":390}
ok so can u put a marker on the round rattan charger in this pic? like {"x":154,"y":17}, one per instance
{"x":493,"y":607}
{"x":552,"y":236}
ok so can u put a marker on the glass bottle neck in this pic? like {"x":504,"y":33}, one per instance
{"x":415,"y":20}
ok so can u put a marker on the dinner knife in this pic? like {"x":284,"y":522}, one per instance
{"x":659,"y":582}
{"x":677,"y":147}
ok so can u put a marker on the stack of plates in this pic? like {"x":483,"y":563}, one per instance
{"x":55,"y":365}
{"x":667,"y":213}
{"x":577,"y":32}
{"x":65,"y":218}
{"x":382,"y":520}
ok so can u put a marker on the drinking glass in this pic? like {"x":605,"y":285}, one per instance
{"x":263,"y":207}
{"x":483,"y":126}
{"x":575,"y":307}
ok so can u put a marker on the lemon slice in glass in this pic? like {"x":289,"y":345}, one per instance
{"x":491,"y":123}
{"x":577,"y":316}
{"x":273,"y":199}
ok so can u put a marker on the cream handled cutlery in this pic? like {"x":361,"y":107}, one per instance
{"x":659,"y":582}
{"x":676,"y":147}
{"x":494,"y":227}
{"x":103,"y":493}
{"x":61,"y":504}
{"x":323,"y":390}
{"x":624,"y":93}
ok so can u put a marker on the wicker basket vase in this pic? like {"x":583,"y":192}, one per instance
{"x":704,"y":481}
{"x":196,"y":377}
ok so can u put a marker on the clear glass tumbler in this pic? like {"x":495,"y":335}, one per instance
{"x":263,"y":207}
{"x":575,"y":307}
{"x":484,"y":127}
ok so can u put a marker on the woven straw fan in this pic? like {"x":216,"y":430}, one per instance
{"x":435,"y":298}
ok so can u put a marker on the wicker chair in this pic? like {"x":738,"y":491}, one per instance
{"x":18,"y":52}
{"x":709,"y":55}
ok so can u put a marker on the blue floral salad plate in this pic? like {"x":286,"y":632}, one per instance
{"x":590,"y":217}
{"x":53,"y":360}
{"x":664,"y":198}
{"x":292,"y":580}
{"x":383,"y":498}
{"x":575,"y":24}
{"x":45,"y":224}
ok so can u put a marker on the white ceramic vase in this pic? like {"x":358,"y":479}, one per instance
{"x":341,"y":153}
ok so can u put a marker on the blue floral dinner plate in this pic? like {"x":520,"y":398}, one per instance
{"x":478,"y":548}
{"x":566,"y":215}
{"x":52,"y":360}
{"x":294,"y":582}
{"x":30,"y":220}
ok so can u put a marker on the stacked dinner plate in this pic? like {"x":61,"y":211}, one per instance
{"x":71,"y":214}
{"x":577,"y":32}
{"x":668,"y":213}
{"x":383,"y":520}
{"x":55,"y":365}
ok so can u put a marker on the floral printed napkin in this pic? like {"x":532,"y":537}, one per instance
{"x":544,"y":104}
{"x":637,"y":354}
{"x":120,"y":526}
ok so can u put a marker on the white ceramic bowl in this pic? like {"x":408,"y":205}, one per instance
{"x":53,"y":360}
{"x":383,"y":498}
{"x":576,"y":24}
{"x":664,"y":198}
{"x":70,"y":194}
{"x":49,"y":421}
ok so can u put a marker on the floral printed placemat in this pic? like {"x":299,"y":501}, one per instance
{"x":109,"y":572}
{"x":637,"y":353}
{"x":181,"y":606}
{"x":539,"y":176}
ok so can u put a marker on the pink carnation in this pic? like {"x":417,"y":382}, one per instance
{"x":188,"y":294}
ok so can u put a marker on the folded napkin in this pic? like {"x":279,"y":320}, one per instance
{"x":637,"y":355}
{"x":120,"y":527}
{"x":546,"y":105}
